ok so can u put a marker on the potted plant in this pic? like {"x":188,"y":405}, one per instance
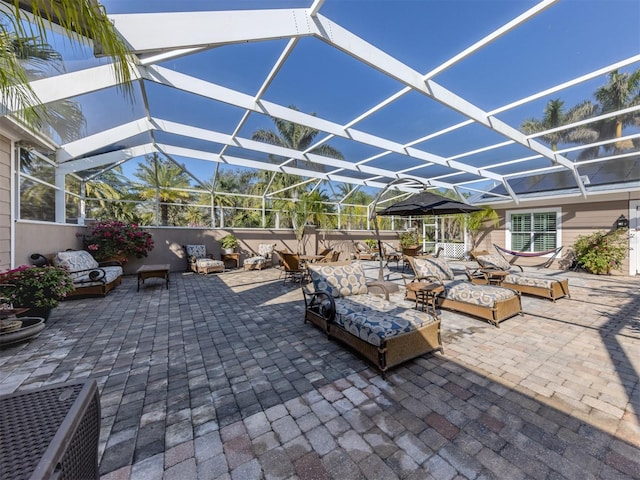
{"x":38,"y":288}
{"x":372,"y":243}
{"x":229,"y":243}
{"x":409,"y":239}
{"x":113,"y":239}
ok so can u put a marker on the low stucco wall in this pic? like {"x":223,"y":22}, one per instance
{"x":48,"y":238}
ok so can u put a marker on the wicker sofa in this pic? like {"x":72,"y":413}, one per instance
{"x":491,"y":303}
{"x":90,"y":278}
{"x":381,"y":328}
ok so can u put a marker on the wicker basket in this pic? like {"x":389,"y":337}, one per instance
{"x":50,"y":432}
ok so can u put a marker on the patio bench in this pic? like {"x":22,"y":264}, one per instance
{"x":90,"y":277}
{"x":379,"y":326}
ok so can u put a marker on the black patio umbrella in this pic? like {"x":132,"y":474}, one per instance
{"x":423,"y":203}
{"x":427,"y":203}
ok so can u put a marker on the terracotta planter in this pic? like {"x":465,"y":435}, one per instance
{"x":116,"y":258}
{"x":410,"y":251}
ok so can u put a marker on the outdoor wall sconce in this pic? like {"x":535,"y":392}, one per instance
{"x":622,"y":222}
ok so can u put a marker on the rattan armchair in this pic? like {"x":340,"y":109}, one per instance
{"x":199,"y":261}
{"x":292,"y":268}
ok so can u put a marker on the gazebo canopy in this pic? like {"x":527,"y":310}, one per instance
{"x":436,"y":91}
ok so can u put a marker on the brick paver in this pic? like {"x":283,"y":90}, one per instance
{"x":218,"y":377}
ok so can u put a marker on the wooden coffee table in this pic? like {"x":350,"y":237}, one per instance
{"x":149,"y":271}
{"x":426,"y":294}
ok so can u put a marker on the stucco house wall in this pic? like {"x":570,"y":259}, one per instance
{"x":577,"y":217}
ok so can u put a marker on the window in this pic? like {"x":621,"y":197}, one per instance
{"x":533,"y":231}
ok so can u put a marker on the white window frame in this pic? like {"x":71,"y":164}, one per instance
{"x":556,"y":210}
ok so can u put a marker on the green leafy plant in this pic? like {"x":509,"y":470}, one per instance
{"x":477,"y":221}
{"x":409,"y":239}
{"x":35,"y":286}
{"x":229,"y":241}
{"x":372,"y":243}
{"x":112,"y":238}
{"x":601,"y":252}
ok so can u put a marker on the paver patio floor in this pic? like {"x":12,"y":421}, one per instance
{"x":219,"y":378}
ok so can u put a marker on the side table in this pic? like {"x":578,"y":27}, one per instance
{"x":495,"y":277}
{"x":426,"y":294}
{"x":235,"y":257}
{"x":150,"y":271}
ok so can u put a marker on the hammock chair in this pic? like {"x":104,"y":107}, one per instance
{"x":515,"y":255}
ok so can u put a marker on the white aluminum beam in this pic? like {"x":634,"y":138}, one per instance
{"x":232,"y":97}
{"x":157,"y":32}
{"x":105,"y":158}
{"x":94,"y":142}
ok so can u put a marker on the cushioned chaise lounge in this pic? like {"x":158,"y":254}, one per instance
{"x":383,"y":329}
{"x":491,"y":303}
{"x":552,"y":288}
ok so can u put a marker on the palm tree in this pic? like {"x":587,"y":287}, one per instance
{"x":37,"y":59}
{"x":622,"y":91}
{"x":81,"y":21}
{"x":297,"y":137}
{"x":555,"y":116}
{"x":355,"y":216}
{"x":294,"y":136}
{"x":162,"y":180}
{"x":310,"y":208}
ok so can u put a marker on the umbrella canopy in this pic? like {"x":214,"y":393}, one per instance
{"x":427,"y":203}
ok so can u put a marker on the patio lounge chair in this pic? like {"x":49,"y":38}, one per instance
{"x":199,"y":261}
{"x":379,"y":326}
{"x":551,"y":288}
{"x":363,"y":252}
{"x":489,"y":302}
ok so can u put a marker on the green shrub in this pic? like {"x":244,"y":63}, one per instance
{"x":601,"y":252}
{"x":372,"y":243}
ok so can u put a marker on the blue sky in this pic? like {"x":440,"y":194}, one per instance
{"x":569,"y":39}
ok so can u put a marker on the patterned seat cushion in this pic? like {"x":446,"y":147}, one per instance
{"x":208,"y":262}
{"x":374,"y":319}
{"x":493,"y":261}
{"x":433,"y":267}
{"x":75,"y":260}
{"x":530,"y":281}
{"x":467,"y":292}
{"x":255,"y":260}
{"x":339,"y":280}
{"x":98,"y":276}
{"x":265,"y":250}
{"x":198,"y":251}
{"x":85,"y":269}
